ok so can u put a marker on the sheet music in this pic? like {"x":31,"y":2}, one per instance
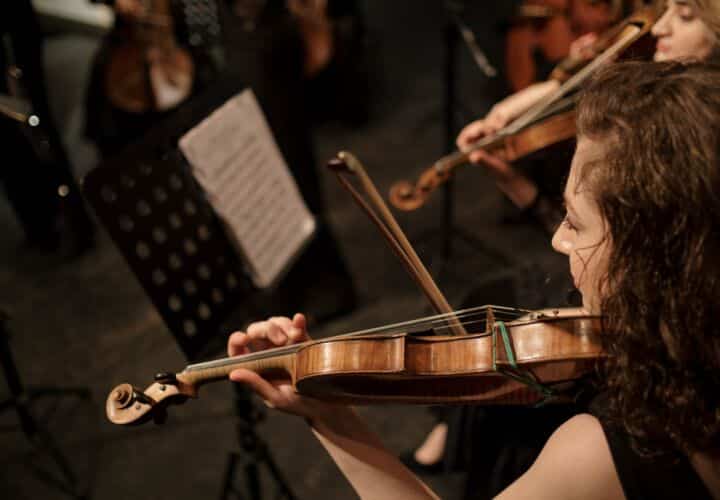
{"x":235,"y":159}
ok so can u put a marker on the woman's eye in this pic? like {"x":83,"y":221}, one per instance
{"x":686,"y":14}
{"x":568,"y":224}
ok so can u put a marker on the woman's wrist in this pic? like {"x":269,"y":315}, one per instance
{"x":334,"y":419}
{"x":521,"y":190}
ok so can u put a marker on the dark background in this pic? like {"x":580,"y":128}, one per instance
{"x":87,"y":322}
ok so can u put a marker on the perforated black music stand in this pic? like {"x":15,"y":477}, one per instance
{"x":172,"y":239}
{"x":173,"y":242}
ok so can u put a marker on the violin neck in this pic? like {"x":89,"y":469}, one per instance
{"x":458,"y":158}
{"x":278,"y":365}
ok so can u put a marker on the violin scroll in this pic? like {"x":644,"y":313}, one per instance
{"x":129,"y":405}
{"x":408,"y":197}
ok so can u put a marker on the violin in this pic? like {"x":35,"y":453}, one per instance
{"x":499,"y":360}
{"x":550,"y":121}
{"x":147,"y":70}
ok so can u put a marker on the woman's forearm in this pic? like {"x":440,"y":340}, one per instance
{"x":519,"y":102}
{"x":370,"y":468}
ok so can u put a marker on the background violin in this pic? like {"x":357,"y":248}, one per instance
{"x":147,"y":70}
{"x":556,"y":126}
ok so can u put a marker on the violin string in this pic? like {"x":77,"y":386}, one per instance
{"x":446,"y":319}
{"x":436,"y":322}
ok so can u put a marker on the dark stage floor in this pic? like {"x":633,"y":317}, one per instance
{"x":88,"y":322}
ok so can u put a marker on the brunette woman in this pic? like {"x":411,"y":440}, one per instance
{"x":687,"y":30}
{"x":641,"y":234}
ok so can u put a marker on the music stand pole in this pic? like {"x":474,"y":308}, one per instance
{"x":452,"y":32}
{"x":449,"y":105}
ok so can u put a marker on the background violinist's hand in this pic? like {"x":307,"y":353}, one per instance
{"x":275,"y":332}
{"x":316,"y":31}
{"x":313,"y":11}
{"x":494,"y":121}
{"x":521,"y":190}
{"x":582,"y":48}
{"x":129,"y":8}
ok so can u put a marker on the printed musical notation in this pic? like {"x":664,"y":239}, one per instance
{"x":235,"y":159}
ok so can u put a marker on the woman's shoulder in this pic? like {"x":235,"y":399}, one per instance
{"x":593,"y":459}
{"x":576,"y":462}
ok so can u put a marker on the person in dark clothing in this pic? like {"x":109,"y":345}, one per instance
{"x":275,"y":48}
{"x":111,"y":125}
{"x":326,"y":39}
{"x":641,"y":235}
{"x":270,"y":56}
{"x":36,"y":173}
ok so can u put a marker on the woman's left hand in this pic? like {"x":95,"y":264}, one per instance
{"x":276,"y":332}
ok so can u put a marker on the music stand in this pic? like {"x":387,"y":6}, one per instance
{"x":20,"y":400}
{"x":160,"y":220}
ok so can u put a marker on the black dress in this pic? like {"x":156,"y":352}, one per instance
{"x":662,"y":477}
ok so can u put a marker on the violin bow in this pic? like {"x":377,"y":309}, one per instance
{"x":374,"y":206}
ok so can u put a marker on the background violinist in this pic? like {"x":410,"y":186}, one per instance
{"x":687,"y":30}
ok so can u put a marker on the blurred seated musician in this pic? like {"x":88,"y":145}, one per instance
{"x":655,"y":431}
{"x":328,"y":36}
{"x":688,"y":30}
{"x":142,"y":71}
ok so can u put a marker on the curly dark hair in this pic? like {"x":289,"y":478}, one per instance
{"x":658,"y":188}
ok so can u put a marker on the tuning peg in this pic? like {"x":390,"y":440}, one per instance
{"x":166,"y":378}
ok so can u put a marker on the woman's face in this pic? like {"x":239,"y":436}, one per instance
{"x":681,"y":34}
{"x":583,"y":234}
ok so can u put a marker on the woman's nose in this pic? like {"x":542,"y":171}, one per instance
{"x":660,"y":28}
{"x":560,"y":241}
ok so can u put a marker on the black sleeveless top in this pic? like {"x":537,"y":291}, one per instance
{"x":496,"y":445}
{"x":663,"y":477}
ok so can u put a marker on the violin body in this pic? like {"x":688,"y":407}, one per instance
{"x":404,"y":365}
{"x":147,"y":70}
{"x":404,"y":368}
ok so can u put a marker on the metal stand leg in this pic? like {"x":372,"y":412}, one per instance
{"x":20,"y":400}
{"x":256,"y":454}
